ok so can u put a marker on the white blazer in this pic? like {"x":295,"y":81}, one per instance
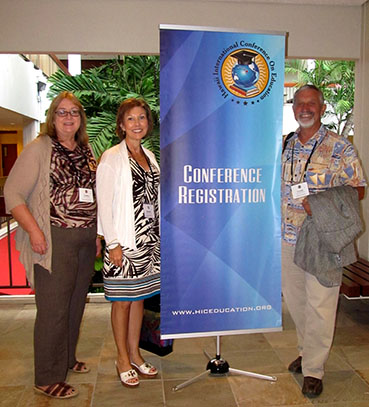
{"x":115,"y":197}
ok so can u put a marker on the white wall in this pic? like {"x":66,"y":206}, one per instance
{"x":30,"y":131}
{"x":131,"y":26}
{"x":18,"y":84}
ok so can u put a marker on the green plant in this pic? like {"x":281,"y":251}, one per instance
{"x":102,"y":89}
{"x":337,"y":81}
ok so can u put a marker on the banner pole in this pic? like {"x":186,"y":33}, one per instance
{"x":220,"y":367}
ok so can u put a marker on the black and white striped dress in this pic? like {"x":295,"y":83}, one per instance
{"x":139,"y":276}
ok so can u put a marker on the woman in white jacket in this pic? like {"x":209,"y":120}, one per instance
{"x":128,"y":217}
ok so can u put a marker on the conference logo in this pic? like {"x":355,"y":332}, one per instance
{"x":245,"y":72}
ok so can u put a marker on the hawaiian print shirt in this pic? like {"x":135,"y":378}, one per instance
{"x":326,"y":160}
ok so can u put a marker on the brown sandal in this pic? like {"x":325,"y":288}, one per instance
{"x":80,"y":367}
{"x":57,"y":391}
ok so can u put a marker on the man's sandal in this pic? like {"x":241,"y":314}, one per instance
{"x":128,"y":378}
{"x":80,"y":367}
{"x":57,"y":391}
{"x":146,"y":370}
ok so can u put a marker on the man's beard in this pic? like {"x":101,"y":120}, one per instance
{"x":306,"y":124}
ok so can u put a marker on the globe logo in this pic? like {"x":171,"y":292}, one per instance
{"x":245,"y":76}
{"x":245,"y":73}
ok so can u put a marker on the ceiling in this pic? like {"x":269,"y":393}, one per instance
{"x":11,"y":121}
{"x":302,"y":2}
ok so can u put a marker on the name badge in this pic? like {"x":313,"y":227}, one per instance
{"x":85,"y":195}
{"x":300,"y":190}
{"x":148,"y":210}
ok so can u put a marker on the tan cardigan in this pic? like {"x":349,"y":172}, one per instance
{"x":29,"y":183}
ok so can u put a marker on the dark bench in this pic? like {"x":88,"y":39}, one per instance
{"x":355,"y":281}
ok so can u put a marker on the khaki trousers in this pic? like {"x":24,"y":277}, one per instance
{"x":60,"y":301}
{"x":313,"y":309}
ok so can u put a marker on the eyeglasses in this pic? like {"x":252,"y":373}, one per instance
{"x":64,"y":113}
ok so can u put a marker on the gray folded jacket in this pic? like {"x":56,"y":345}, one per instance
{"x":325,"y":243}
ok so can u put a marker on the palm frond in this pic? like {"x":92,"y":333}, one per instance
{"x":336,"y":79}
{"x":102,"y":89}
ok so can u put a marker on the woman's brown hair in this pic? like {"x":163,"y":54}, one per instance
{"x":127,"y":105}
{"x":81,"y":136}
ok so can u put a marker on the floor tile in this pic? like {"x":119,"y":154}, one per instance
{"x":286,"y":338}
{"x":10,"y":395}
{"x":256,"y":392}
{"x":346,"y":382}
{"x":17,"y":371}
{"x":113,"y":394}
{"x":206,"y":391}
{"x":357,"y":356}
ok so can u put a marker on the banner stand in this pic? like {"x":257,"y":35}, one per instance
{"x":221,"y":109}
{"x":220,"y":367}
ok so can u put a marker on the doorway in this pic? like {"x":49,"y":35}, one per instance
{"x":9,"y":155}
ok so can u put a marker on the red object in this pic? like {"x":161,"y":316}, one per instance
{"x":18,"y":273}
{"x":238,"y":90}
{"x":9,"y":154}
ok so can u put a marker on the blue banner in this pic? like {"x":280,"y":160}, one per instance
{"x":221,"y":104}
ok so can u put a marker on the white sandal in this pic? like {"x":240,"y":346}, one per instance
{"x":145,"y":370}
{"x":127,"y":377}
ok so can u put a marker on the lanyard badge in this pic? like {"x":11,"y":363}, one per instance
{"x":300,"y":190}
{"x":85,"y":195}
{"x":148,"y":210}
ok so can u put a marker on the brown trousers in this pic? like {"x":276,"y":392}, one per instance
{"x":60,"y":301}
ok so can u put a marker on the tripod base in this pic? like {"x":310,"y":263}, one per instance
{"x":220,"y":367}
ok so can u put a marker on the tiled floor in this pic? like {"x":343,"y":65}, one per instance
{"x":346,"y":383}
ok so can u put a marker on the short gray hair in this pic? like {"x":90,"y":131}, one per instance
{"x":312,"y":87}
